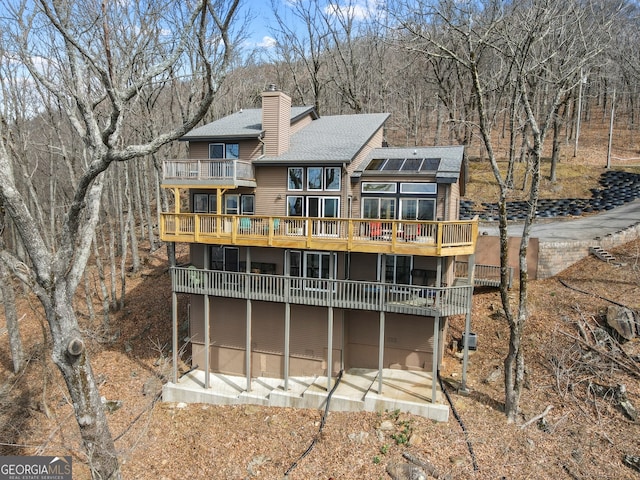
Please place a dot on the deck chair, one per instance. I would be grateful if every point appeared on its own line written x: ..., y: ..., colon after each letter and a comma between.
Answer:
x: 375, y: 230
x: 245, y: 225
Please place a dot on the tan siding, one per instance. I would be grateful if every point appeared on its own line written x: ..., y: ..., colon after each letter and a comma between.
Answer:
x: 408, y: 341
x: 301, y: 123
x: 273, y: 182
x: 248, y: 149
x: 276, y: 120
x: 199, y: 149
x: 454, y: 202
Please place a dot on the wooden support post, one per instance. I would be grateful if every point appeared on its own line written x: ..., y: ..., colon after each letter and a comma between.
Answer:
x: 381, y: 352
x: 207, y: 343
x: 330, y: 347
x: 436, y: 354
x: 248, y: 333
x: 287, y: 338
x: 174, y: 325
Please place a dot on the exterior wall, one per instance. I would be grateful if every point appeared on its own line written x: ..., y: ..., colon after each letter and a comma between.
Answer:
x: 408, y: 341
x: 273, y: 183
x: 248, y: 149
x: 354, y: 189
x: 276, y: 121
x: 488, y: 253
x: 300, y: 124
x: 308, y: 338
x: 453, y: 209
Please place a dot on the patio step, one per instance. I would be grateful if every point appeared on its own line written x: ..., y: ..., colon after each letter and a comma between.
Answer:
x: 602, y: 254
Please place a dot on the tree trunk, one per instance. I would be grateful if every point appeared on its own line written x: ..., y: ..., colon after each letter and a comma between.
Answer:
x: 11, y: 316
x: 71, y: 357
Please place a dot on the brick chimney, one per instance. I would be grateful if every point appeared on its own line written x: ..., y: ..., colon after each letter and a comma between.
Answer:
x: 276, y: 121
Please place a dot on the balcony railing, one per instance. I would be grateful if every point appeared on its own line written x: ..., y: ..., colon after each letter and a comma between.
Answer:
x: 347, y: 294
x: 333, y: 234
x: 484, y: 275
x: 208, y: 172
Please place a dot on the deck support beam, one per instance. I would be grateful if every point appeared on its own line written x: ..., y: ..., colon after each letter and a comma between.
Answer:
x: 436, y: 350
x: 381, y: 352
x: 287, y: 339
x: 330, y: 347
x: 467, y: 324
x: 248, y: 327
x: 207, y: 342
x: 174, y: 326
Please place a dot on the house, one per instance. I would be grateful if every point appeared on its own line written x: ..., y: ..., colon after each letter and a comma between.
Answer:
x: 314, y: 250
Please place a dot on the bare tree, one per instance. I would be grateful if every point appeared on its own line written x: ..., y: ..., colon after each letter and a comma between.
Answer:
x: 92, y: 60
x: 523, y: 56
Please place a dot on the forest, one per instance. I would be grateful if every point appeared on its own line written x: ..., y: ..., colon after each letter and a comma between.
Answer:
x: 96, y: 94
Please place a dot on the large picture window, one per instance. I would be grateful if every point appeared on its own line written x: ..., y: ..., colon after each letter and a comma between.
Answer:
x: 317, y: 179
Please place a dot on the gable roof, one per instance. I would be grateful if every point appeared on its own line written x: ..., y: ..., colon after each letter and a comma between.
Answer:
x: 330, y: 139
x: 241, y: 124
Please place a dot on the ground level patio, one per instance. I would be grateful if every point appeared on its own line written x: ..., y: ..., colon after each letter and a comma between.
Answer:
x: 404, y: 390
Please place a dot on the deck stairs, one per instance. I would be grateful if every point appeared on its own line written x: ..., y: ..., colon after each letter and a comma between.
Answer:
x: 603, y: 255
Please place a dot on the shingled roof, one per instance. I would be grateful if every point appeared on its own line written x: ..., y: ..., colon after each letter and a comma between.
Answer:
x: 329, y: 139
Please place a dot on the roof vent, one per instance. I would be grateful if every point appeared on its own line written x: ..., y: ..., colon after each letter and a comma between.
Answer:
x: 272, y: 88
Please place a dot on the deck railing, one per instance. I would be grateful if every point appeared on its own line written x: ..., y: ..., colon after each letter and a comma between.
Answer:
x: 443, y: 238
x: 347, y: 294
x: 484, y: 275
x: 209, y: 171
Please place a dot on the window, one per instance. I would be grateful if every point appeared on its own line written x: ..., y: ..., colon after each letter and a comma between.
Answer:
x: 247, y: 203
x: 232, y: 150
x: 231, y: 204
x: 374, y: 187
x: 225, y: 258
x: 417, y: 209
x: 294, y: 206
x: 224, y: 150
x: 428, y: 188
x: 332, y: 178
x: 200, y: 203
x: 295, y: 178
x: 295, y: 263
x: 316, y: 265
x: 373, y: 207
x: 397, y: 269
x: 314, y: 178
x: 318, y: 178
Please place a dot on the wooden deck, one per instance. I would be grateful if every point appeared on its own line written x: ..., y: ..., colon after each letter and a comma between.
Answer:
x: 347, y: 294
x: 448, y: 238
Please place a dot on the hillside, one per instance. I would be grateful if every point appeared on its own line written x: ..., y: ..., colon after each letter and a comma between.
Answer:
x: 585, y: 435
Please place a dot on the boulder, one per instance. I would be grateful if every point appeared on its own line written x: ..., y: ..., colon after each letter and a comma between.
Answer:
x: 622, y: 320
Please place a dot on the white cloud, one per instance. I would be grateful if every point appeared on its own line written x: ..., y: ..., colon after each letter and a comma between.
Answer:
x: 358, y: 10
x: 267, y: 42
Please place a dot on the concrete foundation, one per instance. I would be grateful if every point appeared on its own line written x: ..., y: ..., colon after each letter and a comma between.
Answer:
x: 404, y: 390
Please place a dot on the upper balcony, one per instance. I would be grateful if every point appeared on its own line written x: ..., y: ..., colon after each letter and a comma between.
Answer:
x: 402, y: 237
x: 191, y: 173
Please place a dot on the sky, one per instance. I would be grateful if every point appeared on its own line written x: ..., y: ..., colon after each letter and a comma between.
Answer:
x: 259, y: 34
